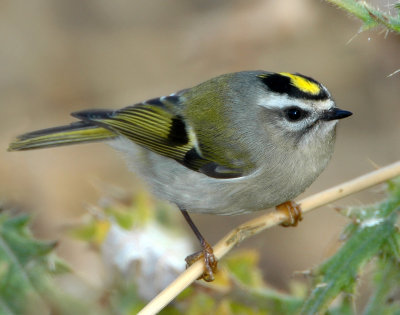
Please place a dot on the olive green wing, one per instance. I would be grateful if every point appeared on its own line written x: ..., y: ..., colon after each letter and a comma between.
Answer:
x: 154, y: 125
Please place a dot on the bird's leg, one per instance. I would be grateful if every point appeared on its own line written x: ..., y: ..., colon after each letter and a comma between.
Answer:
x: 293, y: 211
x: 210, y: 262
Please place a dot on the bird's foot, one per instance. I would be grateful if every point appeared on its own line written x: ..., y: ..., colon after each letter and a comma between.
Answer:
x: 210, y: 261
x: 293, y: 211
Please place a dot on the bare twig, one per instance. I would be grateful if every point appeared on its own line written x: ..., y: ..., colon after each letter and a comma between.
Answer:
x: 266, y: 221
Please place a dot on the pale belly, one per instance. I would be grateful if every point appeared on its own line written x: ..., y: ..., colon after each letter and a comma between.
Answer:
x: 197, y: 192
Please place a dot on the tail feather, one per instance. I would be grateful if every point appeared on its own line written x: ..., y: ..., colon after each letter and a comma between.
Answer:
x: 70, y: 134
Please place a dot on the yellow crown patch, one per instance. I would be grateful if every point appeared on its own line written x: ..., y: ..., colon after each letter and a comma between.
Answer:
x: 302, y: 83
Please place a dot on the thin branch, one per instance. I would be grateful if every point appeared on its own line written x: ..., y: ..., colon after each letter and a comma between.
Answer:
x: 266, y: 221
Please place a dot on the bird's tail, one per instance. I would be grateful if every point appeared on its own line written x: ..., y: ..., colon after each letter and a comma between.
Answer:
x: 70, y: 134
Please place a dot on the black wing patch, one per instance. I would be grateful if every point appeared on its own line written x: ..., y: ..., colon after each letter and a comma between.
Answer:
x: 177, y: 132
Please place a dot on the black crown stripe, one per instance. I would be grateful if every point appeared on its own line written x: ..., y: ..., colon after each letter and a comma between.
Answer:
x: 283, y: 85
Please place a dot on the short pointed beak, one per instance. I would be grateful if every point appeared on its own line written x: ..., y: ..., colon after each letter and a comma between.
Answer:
x: 336, y: 113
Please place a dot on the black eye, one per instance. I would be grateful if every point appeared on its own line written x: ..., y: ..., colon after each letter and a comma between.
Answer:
x: 295, y: 113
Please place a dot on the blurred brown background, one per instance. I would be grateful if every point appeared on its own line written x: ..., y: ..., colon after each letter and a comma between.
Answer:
x: 61, y: 56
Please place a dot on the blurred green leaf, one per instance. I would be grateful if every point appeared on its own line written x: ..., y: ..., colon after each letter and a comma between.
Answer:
x: 237, y: 308
x: 244, y: 267
x: 94, y: 231
x: 201, y: 304
x: 370, y: 16
x: 124, y: 298
x: 344, y: 307
x: 373, y: 232
x: 25, y: 265
x: 387, y: 284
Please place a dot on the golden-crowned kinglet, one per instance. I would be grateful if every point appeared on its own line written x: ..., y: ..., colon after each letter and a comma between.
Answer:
x: 237, y: 143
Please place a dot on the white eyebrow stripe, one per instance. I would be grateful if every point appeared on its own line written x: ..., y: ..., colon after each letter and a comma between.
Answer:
x: 282, y: 102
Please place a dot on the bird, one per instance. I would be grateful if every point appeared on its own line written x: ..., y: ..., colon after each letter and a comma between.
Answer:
x: 237, y: 143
